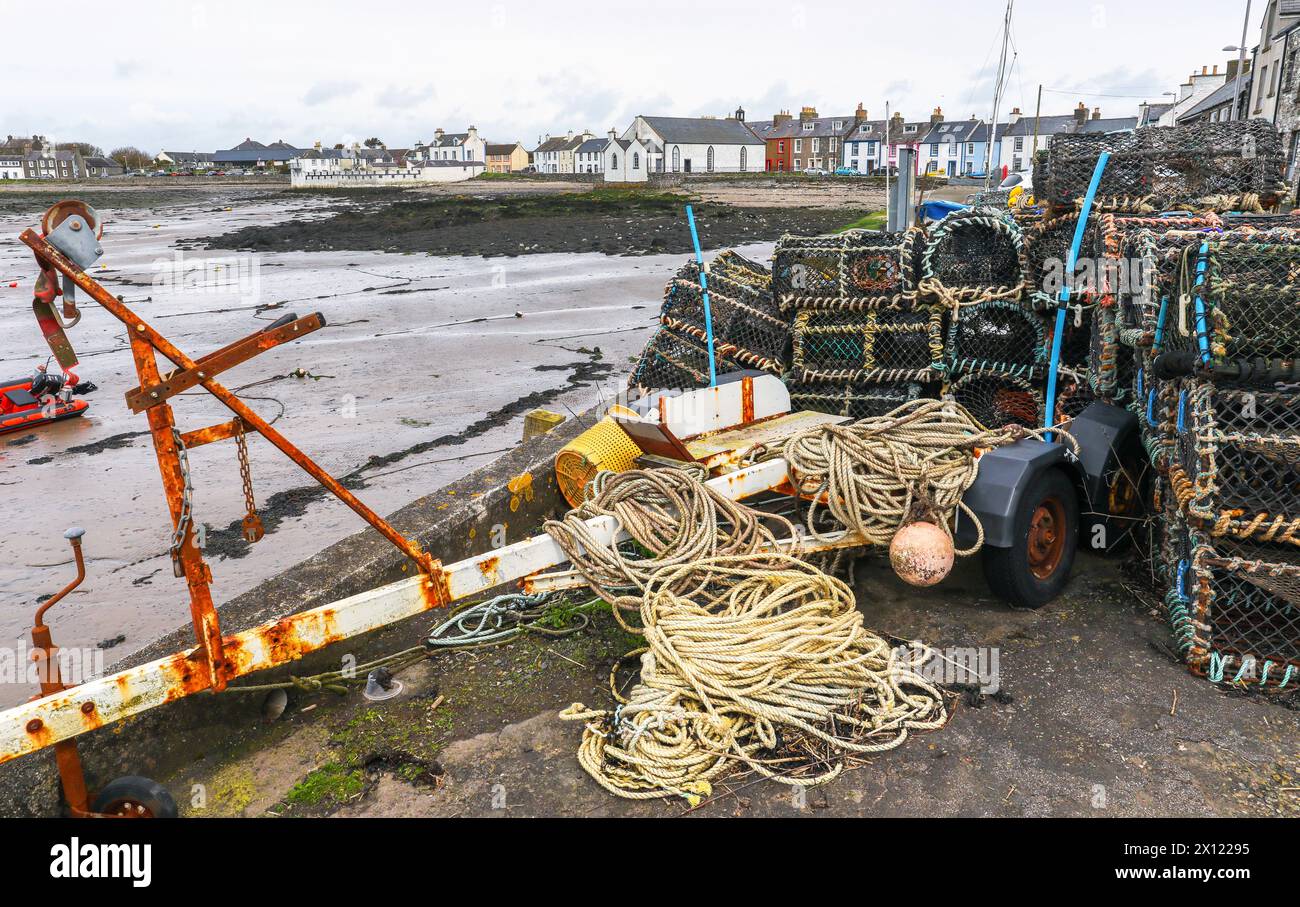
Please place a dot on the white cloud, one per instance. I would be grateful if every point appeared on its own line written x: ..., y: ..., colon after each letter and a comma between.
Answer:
x: 199, y: 75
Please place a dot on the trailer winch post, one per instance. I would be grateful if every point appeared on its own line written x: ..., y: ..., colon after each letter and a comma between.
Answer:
x: 45, y: 654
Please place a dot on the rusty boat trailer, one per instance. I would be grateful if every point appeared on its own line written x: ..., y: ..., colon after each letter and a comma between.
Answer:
x: 63, y: 250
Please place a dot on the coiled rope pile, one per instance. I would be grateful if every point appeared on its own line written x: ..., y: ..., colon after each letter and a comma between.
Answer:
x: 875, y: 474
x: 770, y: 669
x: 753, y: 657
x: 672, y: 515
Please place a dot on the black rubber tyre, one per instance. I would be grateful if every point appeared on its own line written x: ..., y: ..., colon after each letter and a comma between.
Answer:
x: 136, y: 797
x: 1032, y: 572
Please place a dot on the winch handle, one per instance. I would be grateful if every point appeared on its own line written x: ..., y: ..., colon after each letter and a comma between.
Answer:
x: 73, y: 535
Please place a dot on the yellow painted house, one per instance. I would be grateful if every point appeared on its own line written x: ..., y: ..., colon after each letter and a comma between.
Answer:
x: 509, y: 158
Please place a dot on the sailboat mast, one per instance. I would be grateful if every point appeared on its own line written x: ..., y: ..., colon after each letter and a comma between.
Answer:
x: 997, y: 95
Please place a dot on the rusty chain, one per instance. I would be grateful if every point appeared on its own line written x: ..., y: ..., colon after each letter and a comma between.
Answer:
x: 182, y: 522
x: 252, y: 524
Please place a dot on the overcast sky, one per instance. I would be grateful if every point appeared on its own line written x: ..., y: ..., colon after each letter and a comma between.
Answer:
x: 203, y: 76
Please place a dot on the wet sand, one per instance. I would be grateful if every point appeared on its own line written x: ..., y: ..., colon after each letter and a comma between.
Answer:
x: 422, y: 374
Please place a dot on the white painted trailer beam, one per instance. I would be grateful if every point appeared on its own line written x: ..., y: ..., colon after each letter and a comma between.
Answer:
x: 42, y: 722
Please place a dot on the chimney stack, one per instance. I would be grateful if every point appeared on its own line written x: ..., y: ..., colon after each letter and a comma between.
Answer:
x: 1080, y: 114
x: 807, y: 113
x: 860, y: 114
x: 1096, y: 113
x: 1014, y: 117
x: 782, y: 117
x: 613, y: 134
x: 937, y: 116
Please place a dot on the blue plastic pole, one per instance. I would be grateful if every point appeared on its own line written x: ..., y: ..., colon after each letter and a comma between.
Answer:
x: 704, y: 288
x: 1062, y: 304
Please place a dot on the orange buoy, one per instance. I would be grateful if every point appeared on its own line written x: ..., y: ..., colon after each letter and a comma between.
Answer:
x: 921, y: 554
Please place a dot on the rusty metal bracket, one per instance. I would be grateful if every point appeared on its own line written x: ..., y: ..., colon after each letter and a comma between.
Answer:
x: 141, y: 398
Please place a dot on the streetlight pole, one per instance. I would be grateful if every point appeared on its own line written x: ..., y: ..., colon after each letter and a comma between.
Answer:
x: 1241, y: 65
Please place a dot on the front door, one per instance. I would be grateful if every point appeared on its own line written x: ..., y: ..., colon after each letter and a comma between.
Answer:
x: 952, y: 168
x: 686, y: 165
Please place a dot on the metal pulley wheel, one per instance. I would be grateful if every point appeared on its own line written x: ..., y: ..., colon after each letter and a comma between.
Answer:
x: 61, y: 211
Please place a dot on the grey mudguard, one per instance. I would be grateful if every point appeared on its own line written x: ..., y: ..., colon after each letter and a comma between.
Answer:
x: 1005, y: 473
x: 1101, y: 429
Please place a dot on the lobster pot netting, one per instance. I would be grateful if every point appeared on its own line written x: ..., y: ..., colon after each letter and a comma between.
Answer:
x: 1244, y: 619
x: 998, y: 400
x: 671, y: 361
x: 746, y: 320
x: 877, y: 344
x: 1217, y: 166
x: 1110, y: 366
x: 1238, y: 464
x: 1047, y: 248
x: 1155, y: 403
x: 1152, y: 261
x: 857, y: 400
x: 1240, y: 297
x: 974, y: 254
x: 997, y: 337
x: 1173, y: 570
x: 844, y: 271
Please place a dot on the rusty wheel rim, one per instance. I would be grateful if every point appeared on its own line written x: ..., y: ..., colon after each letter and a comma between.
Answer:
x: 1122, y: 496
x: 1046, y: 538
x: 127, y: 808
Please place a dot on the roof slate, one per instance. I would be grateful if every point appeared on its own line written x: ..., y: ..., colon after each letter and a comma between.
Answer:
x: 702, y: 131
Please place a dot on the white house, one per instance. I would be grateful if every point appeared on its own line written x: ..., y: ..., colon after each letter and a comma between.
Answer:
x: 863, y: 146
x: 1193, y: 91
x: 589, y: 157
x: 624, y: 160
x: 558, y: 155
x: 11, y: 168
x: 450, y: 171
x: 699, y: 144
x: 452, y: 146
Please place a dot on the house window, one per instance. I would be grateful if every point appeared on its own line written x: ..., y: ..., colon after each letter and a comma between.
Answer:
x: 1020, y: 145
x: 934, y: 149
x: 636, y: 160
x: 970, y: 147
x: 1016, y: 164
x: 798, y: 146
x: 816, y: 144
x: 832, y: 145
x: 808, y: 127
x: 613, y: 162
x: 780, y: 147
x: 677, y: 159
x: 744, y: 156
x: 709, y: 160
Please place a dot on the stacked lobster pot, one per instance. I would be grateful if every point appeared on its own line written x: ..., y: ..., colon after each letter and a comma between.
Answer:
x: 863, y: 340
x: 1048, y: 245
x: 1235, y: 166
x: 749, y: 330
x: 1227, y: 415
x: 975, y: 270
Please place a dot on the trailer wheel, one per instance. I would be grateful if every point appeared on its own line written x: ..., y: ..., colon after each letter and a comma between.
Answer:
x: 135, y: 797
x: 1034, y: 570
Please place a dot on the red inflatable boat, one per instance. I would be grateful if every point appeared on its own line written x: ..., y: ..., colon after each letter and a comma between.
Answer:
x: 20, y: 408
